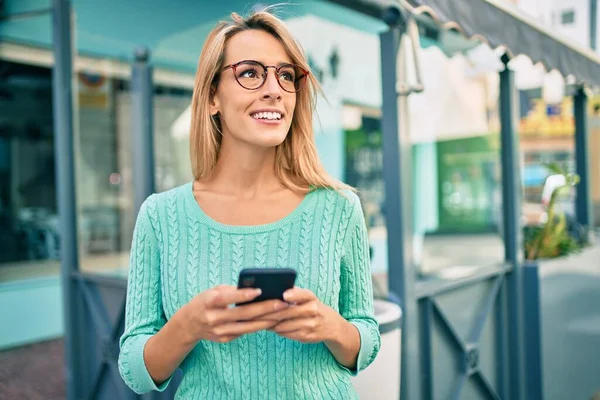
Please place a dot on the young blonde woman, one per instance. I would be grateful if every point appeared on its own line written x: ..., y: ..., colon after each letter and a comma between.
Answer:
x: 260, y: 198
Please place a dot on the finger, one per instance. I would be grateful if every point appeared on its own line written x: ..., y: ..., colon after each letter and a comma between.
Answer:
x: 242, y: 328
x: 292, y: 325
x: 293, y: 335
x: 306, y: 310
x: 226, y: 295
x: 298, y: 295
x: 255, y: 310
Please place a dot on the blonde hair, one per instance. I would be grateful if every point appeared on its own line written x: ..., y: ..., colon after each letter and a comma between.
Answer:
x: 297, y: 163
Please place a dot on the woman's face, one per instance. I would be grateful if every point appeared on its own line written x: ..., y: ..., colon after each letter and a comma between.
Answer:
x: 260, y: 117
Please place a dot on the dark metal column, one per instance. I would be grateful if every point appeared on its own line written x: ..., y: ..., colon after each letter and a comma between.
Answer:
x: 593, y: 23
x: 533, y: 349
x: 511, y: 201
x: 66, y: 199
x: 396, y: 173
x: 583, y: 204
x: 143, y: 133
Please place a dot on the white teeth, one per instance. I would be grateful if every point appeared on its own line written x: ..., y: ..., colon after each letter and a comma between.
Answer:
x: 267, y: 115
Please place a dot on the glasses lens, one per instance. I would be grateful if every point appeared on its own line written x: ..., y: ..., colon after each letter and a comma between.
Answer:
x: 250, y: 74
x: 287, y: 77
x: 291, y: 77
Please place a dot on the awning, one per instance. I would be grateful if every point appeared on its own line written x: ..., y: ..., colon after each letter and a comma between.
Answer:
x: 499, y: 25
x: 174, y: 34
x: 175, y: 42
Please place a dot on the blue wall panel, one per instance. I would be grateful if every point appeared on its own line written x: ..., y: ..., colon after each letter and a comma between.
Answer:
x: 31, y: 311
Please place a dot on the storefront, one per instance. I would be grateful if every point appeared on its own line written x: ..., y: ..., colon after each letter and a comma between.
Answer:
x: 103, y: 134
x: 454, y: 177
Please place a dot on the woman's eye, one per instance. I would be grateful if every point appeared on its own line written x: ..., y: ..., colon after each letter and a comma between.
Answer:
x: 288, y: 76
x: 249, y: 73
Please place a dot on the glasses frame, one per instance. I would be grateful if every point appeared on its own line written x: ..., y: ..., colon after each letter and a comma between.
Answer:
x: 303, y: 74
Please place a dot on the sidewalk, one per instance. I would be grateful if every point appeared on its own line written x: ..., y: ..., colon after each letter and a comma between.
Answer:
x: 34, y: 372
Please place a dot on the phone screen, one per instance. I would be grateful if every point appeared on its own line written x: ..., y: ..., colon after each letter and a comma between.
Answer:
x: 272, y: 282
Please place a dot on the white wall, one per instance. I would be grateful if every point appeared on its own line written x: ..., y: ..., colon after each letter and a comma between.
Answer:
x: 452, y: 105
x: 359, y: 77
x: 549, y: 13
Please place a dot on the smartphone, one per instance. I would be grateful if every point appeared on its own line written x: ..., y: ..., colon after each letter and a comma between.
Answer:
x: 273, y: 282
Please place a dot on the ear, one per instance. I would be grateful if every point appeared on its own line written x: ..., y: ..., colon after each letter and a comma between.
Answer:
x: 214, y: 105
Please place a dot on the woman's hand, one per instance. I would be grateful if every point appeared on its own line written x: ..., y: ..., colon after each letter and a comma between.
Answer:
x: 307, y: 320
x: 209, y: 316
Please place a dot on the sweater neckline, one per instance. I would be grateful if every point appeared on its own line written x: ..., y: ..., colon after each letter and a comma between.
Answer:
x: 197, y: 211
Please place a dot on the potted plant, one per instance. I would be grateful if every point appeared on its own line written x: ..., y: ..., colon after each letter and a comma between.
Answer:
x: 561, y: 277
x: 560, y: 234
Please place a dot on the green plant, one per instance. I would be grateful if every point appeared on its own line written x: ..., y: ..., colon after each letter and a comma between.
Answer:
x: 555, y: 238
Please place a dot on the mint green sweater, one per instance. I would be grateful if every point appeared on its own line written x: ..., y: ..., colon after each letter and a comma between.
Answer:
x: 178, y: 252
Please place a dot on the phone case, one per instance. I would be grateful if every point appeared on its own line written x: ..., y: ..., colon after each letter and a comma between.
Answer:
x: 273, y: 282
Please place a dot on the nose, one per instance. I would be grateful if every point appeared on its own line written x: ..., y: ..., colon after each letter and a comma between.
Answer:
x: 271, y: 88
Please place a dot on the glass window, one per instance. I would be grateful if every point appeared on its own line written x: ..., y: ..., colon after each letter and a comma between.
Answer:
x: 106, y: 178
x: 28, y: 209
x: 567, y: 17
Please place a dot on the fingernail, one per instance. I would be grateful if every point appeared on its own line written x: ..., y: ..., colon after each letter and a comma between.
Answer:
x: 286, y: 296
x: 254, y: 293
x: 280, y: 306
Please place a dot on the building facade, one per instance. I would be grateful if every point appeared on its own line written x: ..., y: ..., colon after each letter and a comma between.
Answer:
x: 453, y: 126
x: 576, y: 19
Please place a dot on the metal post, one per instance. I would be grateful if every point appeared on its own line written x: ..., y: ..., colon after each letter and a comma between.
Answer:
x: 511, y: 196
x: 66, y: 196
x: 583, y: 204
x: 534, y: 388
x: 593, y: 24
x: 396, y: 173
x: 142, y: 117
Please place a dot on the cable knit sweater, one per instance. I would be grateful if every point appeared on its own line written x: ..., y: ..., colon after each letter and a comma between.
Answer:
x: 178, y: 251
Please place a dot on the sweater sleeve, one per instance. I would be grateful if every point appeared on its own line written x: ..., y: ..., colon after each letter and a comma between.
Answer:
x: 356, y: 294
x: 143, y: 309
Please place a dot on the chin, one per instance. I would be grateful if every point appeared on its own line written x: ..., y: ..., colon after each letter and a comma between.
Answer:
x: 270, y: 142
x: 267, y: 139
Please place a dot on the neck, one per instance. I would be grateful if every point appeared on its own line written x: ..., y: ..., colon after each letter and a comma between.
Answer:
x: 244, y: 171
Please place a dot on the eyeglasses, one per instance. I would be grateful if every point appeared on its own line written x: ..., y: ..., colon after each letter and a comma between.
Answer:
x: 252, y: 75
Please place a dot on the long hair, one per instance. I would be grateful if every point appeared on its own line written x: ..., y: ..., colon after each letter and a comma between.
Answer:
x: 297, y: 163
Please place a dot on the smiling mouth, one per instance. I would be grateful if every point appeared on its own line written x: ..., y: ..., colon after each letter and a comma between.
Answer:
x: 267, y: 116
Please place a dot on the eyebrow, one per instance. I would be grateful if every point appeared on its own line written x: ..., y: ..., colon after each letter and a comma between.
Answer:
x: 279, y: 64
